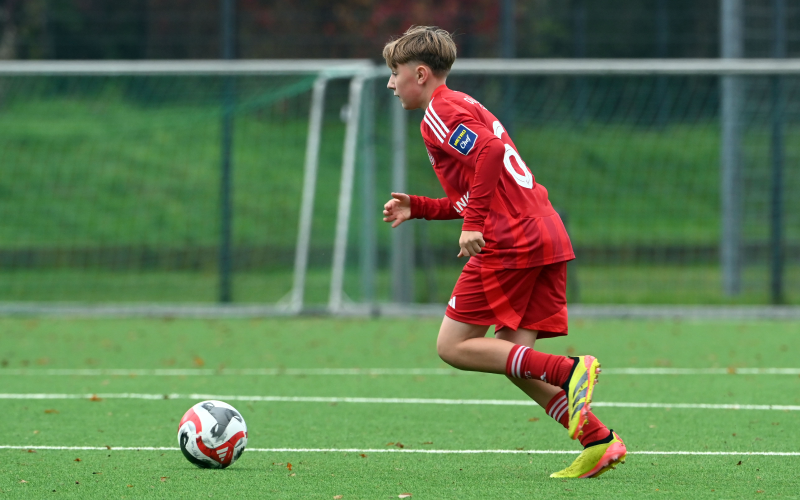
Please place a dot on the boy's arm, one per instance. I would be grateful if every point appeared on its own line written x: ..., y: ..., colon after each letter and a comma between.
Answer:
x: 488, y: 167
x: 432, y: 209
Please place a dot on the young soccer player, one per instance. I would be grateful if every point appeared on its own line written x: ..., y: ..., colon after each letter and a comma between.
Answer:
x: 517, y: 247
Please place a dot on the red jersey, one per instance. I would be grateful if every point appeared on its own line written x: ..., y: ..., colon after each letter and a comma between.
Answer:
x: 488, y: 185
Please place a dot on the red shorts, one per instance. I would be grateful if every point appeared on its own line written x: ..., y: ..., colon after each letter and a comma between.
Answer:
x: 533, y: 298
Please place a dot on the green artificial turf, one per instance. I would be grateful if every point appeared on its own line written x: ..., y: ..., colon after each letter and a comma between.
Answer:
x: 36, y: 344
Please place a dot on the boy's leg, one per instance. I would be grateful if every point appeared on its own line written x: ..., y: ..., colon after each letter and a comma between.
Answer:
x: 552, y: 399
x: 465, y: 346
x: 537, y: 390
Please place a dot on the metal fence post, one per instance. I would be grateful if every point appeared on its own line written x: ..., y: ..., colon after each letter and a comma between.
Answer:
x: 402, y: 236
x: 226, y: 195
x: 731, y: 42
x: 777, y: 152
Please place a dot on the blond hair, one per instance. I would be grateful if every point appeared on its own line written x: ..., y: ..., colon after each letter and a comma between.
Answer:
x: 426, y: 44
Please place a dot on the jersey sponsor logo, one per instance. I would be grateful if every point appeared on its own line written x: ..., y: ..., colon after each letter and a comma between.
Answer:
x: 474, y: 102
x: 463, y: 139
x: 461, y: 204
x: 435, y: 123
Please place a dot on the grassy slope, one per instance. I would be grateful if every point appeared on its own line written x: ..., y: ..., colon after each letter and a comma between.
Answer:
x: 108, y: 172
x: 53, y: 343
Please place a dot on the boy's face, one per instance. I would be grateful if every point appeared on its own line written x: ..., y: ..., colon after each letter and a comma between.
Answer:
x: 406, y: 84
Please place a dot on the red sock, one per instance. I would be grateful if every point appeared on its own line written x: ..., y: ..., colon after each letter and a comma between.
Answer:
x: 524, y: 362
x: 593, y: 430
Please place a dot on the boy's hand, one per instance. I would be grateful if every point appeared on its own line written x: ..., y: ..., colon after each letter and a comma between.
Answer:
x: 471, y: 243
x: 398, y: 209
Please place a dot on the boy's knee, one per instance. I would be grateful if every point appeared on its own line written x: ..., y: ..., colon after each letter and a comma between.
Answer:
x: 445, y: 351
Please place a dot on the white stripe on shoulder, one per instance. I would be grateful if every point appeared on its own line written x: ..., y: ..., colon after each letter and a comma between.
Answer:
x: 436, y: 117
x: 432, y: 122
x: 436, y: 131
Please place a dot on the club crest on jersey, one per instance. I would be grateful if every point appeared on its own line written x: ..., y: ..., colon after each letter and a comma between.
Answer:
x: 463, y: 139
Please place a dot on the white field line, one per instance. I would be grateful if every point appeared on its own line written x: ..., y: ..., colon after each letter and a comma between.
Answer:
x: 405, y: 450
x: 307, y: 399
x: 194, y: 372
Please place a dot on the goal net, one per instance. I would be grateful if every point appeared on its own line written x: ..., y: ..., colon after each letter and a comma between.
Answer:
x: 114, y: 186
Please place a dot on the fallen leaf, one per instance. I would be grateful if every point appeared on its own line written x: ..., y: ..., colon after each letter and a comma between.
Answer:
x: 534, y: 419
x: 363, y: 456
x: 731, y: 370
x: 292, y: 474
x: 740, y: 462
x: 96, y: 472
x: 428, y: 442
x: 164, y: 479
x: 23, y: 481
x: 130, y: 486
x: 404, y: 495
x: 95, y: 398
x: 520, y: 448
x: 652, y: 426
x: 51, y: 410
x: 400, y: 445
x: 389, y: 444
x: 31, y: 451
x: 108, y: 447
x: 36, y: 432
x: 76, y: 482
x: 198, y: 361
x: 289, y: 466
x: 77, y: 460
x: 337, y: 497
x: 759, y: 491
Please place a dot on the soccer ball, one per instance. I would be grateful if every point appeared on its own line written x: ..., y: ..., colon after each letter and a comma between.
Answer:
x: 212, y: 434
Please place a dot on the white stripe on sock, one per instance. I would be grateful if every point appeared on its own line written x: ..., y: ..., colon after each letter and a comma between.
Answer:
x: 519, y: 361
x: 557, y: 407
x: 514, y: 363
x: 561, y: 405
x: 561, y: 414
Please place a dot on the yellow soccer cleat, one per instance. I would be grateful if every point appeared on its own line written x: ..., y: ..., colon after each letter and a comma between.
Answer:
x: 596, y: 458
x: 579, y: 388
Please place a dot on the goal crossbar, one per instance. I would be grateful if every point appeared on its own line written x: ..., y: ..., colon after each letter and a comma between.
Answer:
x: 328, y: 67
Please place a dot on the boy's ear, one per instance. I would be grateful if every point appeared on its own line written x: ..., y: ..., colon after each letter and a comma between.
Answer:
x: 423, y: 73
